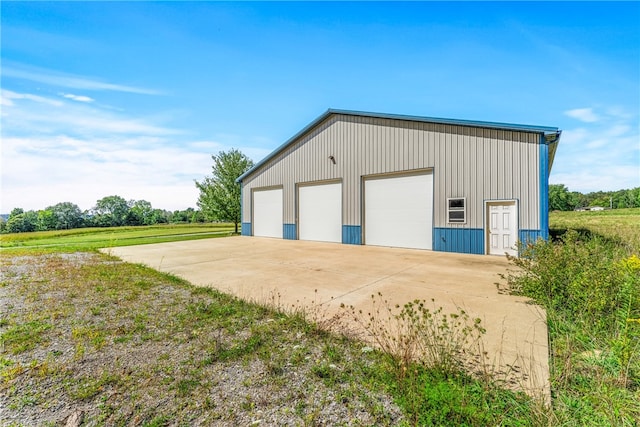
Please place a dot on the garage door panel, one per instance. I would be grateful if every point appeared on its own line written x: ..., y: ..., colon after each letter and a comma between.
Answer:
x: 267, y: 213
x: 320, y: 212
x: 399, y: 211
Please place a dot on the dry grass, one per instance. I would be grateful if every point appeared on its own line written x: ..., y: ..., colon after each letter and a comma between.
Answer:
x: 622, y: 224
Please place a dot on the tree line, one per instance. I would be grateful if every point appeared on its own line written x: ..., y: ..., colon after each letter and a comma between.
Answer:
x: 110, y: 211
x: 561, y: 199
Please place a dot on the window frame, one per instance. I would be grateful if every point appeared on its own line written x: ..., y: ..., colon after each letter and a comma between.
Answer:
x: 457, y: 209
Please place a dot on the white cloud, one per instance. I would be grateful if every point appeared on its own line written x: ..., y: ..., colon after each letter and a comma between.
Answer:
x: 79, y: 98
x: 54, y: 78
x: 600, y: 156
x: 583, y: 114
x: 75, y: 118
x: 9, y: 96
x: 76, y: 152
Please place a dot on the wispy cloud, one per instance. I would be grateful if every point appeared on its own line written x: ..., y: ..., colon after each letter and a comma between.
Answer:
x: 602, y: 155
x: 79, y: 98
x: 58, y: 79
x: 583, y: 114
x: 56, y: 150
x: 7, y: 98
x: 36, y: 115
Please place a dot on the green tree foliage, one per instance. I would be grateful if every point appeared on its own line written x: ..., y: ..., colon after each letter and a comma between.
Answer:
x: 111, y: 211
x: 22, y: 222
x: 219, y: 197
x: 141, y: 213
x: 68, y: 215
x: 46, y: 220
x: 16, y: 211
x: 561, y: 199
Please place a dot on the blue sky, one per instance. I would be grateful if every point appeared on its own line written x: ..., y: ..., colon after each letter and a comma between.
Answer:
x: 133, y: 98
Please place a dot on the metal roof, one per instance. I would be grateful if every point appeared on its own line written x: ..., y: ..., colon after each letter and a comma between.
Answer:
x: 545, y: 130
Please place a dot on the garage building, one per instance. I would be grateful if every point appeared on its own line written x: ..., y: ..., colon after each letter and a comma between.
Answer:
x: 403, y: 181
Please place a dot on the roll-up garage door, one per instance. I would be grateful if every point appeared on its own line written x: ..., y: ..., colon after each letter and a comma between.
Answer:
x: 399, y: 211
x: 267, y: 213
x: 320, y: 212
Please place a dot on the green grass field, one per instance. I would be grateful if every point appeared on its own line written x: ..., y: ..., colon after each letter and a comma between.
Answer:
x: 93, y: 238
x: 617, y: 223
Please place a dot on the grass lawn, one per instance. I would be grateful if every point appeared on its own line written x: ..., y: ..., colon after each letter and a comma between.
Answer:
x: 93, y: 238
x: 623, y: 224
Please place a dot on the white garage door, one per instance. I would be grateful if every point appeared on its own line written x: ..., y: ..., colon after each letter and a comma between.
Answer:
x: 267, y: 213
x: 398, y: 211
x: 320, y: 212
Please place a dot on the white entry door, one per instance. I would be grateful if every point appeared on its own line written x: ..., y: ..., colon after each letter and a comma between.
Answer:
x: 267, y: 213
x: 502, y: 227
x: 320, y: 212
x: 399, y: 211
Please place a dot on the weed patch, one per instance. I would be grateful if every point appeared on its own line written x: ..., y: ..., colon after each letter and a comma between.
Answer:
x: 590, y: 287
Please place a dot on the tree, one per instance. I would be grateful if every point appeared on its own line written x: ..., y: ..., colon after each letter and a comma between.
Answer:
x: 111, y: 211
x: 219, y: 197
x: 67, y: 215
x: 559, y: 198
x: 46, y: 220
x: 141, y: 213
x: 22, y: 222
x: 16, y: 212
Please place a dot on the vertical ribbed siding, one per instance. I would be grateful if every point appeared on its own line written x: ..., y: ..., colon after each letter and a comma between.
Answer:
x: 477, y: 163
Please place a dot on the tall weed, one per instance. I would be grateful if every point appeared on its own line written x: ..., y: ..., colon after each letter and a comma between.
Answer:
x: 590, y: 287
x: 429, y: 353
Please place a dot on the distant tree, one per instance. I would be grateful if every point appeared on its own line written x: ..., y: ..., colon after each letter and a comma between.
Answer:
x: 23, y: 222
x: 141, y: 213
x: 578, y: 200
x: 68, y: 215
x: 559, y: 198
x: 3, y: 225
x: 46, y: 220
x: 111, y: 211
x: 161, y: 216
x: 16, y: 211
x: 197, y: 217
x: 219, y: 198
x: 178, y: 217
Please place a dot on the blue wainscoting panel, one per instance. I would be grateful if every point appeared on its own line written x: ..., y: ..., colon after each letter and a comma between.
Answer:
x: 530, y: 236
x: 462, y: 240
x: 289, y: 232
x: 246, y: 229
x: 351, y: 234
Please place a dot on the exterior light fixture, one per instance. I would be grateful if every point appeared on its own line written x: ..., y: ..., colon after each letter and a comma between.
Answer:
x: 333, y: 159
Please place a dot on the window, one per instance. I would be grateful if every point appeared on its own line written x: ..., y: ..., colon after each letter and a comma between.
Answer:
x: 457, y: 210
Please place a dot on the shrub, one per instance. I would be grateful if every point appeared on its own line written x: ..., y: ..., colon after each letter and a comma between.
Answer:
x: 585, y: 279
x: 590, y: 287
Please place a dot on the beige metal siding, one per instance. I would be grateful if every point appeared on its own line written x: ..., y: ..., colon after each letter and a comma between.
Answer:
x: 477, y: 163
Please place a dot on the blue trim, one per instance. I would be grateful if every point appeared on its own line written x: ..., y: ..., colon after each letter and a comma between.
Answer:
x: 461, y: 240
x: 543, y: 130
x: 529, y: 236
x: 352, y: 234
x: 289, y: 231
x: 246, y: 229
x: 544, y: 188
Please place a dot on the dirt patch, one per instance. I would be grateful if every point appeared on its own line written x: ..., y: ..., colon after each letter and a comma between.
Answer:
x: 87, y: 339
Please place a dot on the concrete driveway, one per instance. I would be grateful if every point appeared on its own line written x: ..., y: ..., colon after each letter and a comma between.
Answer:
x: 323, y: 276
